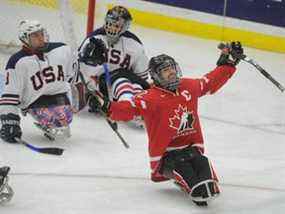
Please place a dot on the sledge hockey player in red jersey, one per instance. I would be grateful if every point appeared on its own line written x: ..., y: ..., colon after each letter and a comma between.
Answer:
x: 125, y: 61
x: 37, y: 80
x: 170, y: 113
x: 6, y: 192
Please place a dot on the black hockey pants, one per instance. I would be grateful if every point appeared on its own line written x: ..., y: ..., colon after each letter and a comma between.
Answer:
x: 189, y: 163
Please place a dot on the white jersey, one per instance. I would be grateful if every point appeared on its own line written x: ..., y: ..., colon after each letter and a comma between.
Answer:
x: 29, y: 76
x: 127, y: 53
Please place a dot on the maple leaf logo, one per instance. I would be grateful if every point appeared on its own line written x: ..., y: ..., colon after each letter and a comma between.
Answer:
x: 182, y: 120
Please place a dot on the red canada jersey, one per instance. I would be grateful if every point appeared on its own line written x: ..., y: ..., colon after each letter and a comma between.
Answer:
x: 171, y: 119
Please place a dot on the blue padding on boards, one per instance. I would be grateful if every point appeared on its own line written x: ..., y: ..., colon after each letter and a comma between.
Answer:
x: 263, y: 11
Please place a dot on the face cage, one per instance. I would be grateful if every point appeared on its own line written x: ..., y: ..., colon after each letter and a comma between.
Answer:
x: 27, y: 41
x: 166, y: 84
x: 114, y: 28
x: 6, y: 192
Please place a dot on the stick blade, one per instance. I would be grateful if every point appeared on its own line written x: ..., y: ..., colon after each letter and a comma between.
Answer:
x: 51, y: 151
x: 47, y: 150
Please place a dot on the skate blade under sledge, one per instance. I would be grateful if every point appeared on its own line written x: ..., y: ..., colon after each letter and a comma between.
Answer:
x: 54, y: 134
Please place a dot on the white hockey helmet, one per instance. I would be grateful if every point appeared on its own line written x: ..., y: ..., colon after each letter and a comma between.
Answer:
x: 27, y: 27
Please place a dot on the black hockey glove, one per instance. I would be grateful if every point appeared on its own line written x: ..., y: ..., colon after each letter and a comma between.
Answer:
x: 94, y: 53
x: 99, y: 103
x: 10, y: 127
x: 94, y: 105
x: 227, y: 56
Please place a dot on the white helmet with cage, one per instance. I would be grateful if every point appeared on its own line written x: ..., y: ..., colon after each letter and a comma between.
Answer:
x: 117, y: 21
x: 26, y: 28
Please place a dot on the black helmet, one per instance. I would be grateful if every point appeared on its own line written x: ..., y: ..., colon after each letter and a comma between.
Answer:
x: 158, y: 64
x: 117, y: 21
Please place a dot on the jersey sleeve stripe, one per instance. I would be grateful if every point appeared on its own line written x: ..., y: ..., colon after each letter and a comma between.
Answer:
x: 143, y: 75
x: 10, y: 95
x: 119, y: 83
x: 8, y: 103
x: 9, y: 99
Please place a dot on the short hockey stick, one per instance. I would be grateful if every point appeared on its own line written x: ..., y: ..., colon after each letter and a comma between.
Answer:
x: 109, y: 87
x: 257, y: 66
x: 112, y: 124
x: 46, y: 150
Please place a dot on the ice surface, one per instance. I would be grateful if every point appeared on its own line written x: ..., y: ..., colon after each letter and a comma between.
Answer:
x: 244, y: 130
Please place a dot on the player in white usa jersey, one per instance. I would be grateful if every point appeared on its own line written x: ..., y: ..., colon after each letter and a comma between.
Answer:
x: 126, y: 59
x: 37, y: 82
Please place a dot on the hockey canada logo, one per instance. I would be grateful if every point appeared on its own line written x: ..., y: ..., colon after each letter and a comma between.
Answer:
x: 182, y: 120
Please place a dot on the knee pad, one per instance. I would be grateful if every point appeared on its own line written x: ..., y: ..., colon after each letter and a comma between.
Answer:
x: 204, y: 190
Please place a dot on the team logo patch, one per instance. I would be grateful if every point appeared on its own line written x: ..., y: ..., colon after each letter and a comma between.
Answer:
x: 182, y: 120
